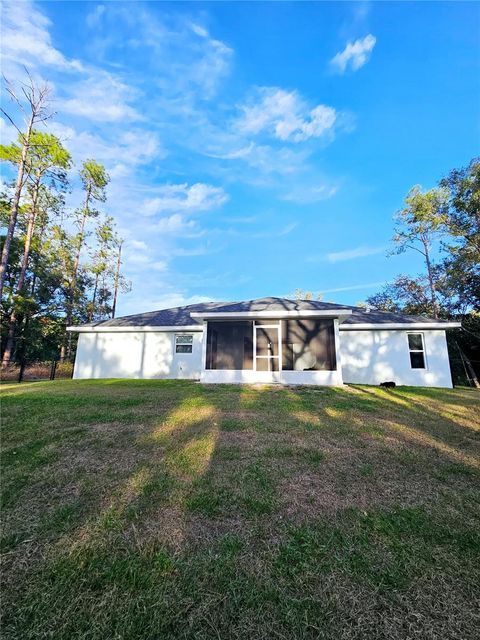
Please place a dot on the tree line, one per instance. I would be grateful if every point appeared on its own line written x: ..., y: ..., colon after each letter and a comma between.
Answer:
x: 442, y: 225
x: 58, y: 267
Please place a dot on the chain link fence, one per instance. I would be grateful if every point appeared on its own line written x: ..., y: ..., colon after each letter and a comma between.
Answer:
x: 31, y: 371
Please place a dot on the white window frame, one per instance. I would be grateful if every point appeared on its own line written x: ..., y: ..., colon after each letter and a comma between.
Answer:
x: 183, y: 344
x: 423, y: 350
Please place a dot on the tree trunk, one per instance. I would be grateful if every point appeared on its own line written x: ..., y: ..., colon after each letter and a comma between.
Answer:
x: 15, y: 204
x: 94, y: 298
x: 66, y: 351
x: 117, y: 279
x: 7, y: 354
x: 34, y: 268
x: 433, y: 296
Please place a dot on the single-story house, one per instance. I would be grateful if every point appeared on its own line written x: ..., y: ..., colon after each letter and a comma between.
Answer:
x: 268, y: 340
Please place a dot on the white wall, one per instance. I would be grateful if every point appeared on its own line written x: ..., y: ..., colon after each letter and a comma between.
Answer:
x: 324, y: 378
x: 364, y: 357
x: 371, y: 357
x: 136, y: 355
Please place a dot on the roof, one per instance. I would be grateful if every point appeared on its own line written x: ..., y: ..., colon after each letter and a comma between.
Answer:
x: 182, y: 316
x: 360, y: 315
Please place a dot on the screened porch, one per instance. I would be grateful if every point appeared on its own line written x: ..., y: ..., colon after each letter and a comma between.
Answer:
x: 271, y: 346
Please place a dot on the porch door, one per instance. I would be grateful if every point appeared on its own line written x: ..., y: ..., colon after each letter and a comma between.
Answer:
x: 267, y: 347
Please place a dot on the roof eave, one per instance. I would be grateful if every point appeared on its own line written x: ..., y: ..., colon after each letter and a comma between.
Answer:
x: 132, y: 329
x: 400, y: 325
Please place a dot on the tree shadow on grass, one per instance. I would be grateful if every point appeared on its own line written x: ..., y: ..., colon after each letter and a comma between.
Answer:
x: 429, y: 424
x: 237, y: 512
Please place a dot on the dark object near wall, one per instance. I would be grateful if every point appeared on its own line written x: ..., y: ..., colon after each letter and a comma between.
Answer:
x: 308, y: 345
x: 388, y: 385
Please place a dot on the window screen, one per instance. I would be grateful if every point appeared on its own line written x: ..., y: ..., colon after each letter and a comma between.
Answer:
x: 183, y: 343
x: 308, y: 345
x: 417, y: 350
x: 230, y: 345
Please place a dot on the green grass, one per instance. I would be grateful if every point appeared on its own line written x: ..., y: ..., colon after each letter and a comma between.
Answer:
x: 140, y: 510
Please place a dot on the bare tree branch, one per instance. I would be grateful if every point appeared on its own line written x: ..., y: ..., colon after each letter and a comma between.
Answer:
x: 37, y: 101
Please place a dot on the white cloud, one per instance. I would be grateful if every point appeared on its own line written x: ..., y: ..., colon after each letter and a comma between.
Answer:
x: 243, y: 152
x: 8, y: 133
x: 200, y: 250
x: 353, y: 287
x: 181, y: 197
x: 104, y: 116
x: 141, y: 259
x: 284, y: 231
x: 352, y: 254
x: 180, y: 55
x: 139, y: 245
x: 128, y: 149
x: 176, y: 225
x: 199, y: 30
x: 213, y: 64
x: 27, y: 41
x: 88, y: 91
x: 263, y: 160
x: 101, y: 97
x: 311, y: 194
x: 286, y: 116
x: 355, y: 54
x: 159, y: 265
x: 283, y: 160
x: 93, y: 19
x: 165, y: 301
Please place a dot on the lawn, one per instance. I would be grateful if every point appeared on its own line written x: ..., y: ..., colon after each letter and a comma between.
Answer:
x: 169, y: 509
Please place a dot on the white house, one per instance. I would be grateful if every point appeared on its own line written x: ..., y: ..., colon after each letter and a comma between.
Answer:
x: 268, y: 340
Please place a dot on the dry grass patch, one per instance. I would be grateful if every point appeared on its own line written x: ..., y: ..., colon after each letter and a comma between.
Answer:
x: 148, y: 509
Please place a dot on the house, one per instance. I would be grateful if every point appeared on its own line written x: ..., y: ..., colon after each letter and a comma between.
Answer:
x: 268, y: 340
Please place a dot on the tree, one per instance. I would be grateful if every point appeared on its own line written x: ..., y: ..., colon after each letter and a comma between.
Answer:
x: 419, y: 223
x: 300, y: 294
x: 94, y: 181
x: 461, y: 267
x: 101, y: 259
x: 46, y: 158
x: 42, y: 269
x: 404, y: 295
x: 463, y: 215
x: 117, y: 281
x: 451, y: 212
x: 35, y: 110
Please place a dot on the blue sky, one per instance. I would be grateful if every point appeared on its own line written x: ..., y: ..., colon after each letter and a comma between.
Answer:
x: 256, y: 147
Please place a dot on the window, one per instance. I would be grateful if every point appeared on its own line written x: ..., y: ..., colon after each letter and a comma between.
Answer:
x: 308, y: 345
x: 230, y: 345
x: 417, y: 350
x: 183, y: 343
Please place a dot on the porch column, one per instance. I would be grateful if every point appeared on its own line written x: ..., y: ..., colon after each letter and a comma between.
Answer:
x: 204, y: 350
x: 338, y: 353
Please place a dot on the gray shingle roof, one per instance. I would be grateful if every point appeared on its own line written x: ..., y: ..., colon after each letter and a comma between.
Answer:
x: 374, y: 316
x: 180, y: 316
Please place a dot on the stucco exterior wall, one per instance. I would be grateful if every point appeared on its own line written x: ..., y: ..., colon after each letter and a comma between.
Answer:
x: 322, y: 378
x: 363, y: 357
x: 136, y: 355
x: 371, y: 357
